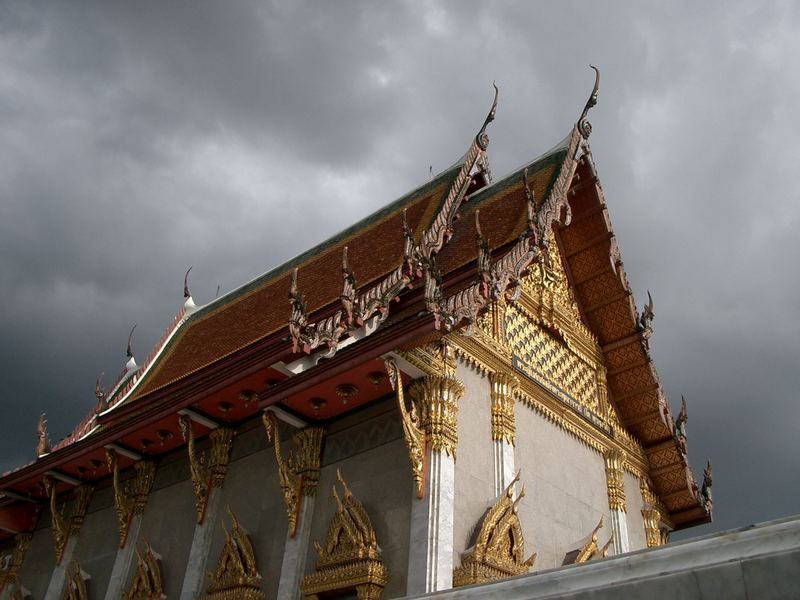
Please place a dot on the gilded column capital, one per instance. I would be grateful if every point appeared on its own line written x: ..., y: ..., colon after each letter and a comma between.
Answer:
x: 654, y: 514
x: 503, y: 388
x: 130, y: 498
x: 437, y: 398
x: 61, y: 525
x: 652, y: 518
x: 615, y: 478
x: 433, y: 359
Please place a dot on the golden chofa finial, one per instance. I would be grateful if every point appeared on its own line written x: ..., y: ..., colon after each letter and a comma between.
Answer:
x: 584, y: 126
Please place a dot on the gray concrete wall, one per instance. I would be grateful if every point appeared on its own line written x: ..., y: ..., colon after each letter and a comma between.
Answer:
x: 169, y: 519
x: 633, y: 501
x: 369, y: 450
x: 565, y: 488
x: 474, y: 471
x: 253, y: 493
x: 99, y: 540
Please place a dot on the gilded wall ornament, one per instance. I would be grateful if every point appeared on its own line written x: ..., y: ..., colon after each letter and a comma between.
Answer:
x: 654, y: 515
x: 503, y: 388
x: 207, y: 469
x: 299, y: 473
x: 497, y: 547
x: 130, y: 498
x: 590, y: 549
x: 236, y: 576
x: 412, y: 428
x: 75, y: 585
x: 146, y: 583
x: 351, y: 559
x: 437, y: 399
x: 61, y: 525
x: 10, y: 564
x: 615, y: 479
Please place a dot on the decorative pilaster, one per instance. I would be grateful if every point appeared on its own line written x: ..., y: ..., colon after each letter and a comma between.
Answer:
x: 504, y: 429
x: 208, y: 471
x: 615, y: 482
x: 430, y: 561
x: 299, y: 478
x: 653, y: 514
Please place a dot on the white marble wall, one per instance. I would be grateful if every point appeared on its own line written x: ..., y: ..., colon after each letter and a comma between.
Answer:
x: 633, y: 499
x: 565, y: 486
x: 474, y: 469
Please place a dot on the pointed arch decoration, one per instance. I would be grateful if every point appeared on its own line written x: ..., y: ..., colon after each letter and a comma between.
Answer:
x: 146, y: 583
x: 236, y: 576
x: 497, y: 550
x: 75, y: 586
x: 351, y: 559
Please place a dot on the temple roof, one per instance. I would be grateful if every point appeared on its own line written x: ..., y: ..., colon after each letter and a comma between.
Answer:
x: 411, y: 260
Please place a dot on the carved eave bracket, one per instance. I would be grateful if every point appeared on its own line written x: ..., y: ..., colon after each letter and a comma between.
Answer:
x: 130, y: 498
x: 75, y: 586
x: 413, y: 432
x: 236, y: 575
x: 10, y: 565
x: 62, y: 526
x: 351, y: 558
x: 207, y: 469
x: 299, y: 473
x: 147, y: 582
x: 498, y: 548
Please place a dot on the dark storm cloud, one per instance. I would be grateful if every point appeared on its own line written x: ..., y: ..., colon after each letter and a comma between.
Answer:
x: 138, y: 139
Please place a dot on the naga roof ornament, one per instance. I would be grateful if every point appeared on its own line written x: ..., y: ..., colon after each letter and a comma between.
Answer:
x: 584, y: 126
x: 43, y: 441
x: 418, y: 259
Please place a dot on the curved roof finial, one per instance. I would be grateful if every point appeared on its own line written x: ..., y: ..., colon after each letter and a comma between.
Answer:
x: 186, y: 292
x: 583, y: 123
x: 129, y: 351
x: 482, y: 138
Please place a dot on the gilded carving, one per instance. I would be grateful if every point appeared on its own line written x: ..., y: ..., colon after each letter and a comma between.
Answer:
x: 61, y: 525
x: 590, y: 550
x: 75, y: 585
x: 146, y: 583
x: 350, y: 559
x: 236, y: 576
x: 207, y: 469
x: 437, y: 399
x: 615, y: 479
x: 10, y: 564
x: 503, y: 388
x: 131, y: 498
x: 299, y: 474
x: 497, y: 549
x: 654, y: 515
x: 42, y: 439
x: 413, y: 432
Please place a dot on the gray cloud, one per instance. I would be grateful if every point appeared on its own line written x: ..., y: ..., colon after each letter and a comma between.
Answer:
x: 136, y: 140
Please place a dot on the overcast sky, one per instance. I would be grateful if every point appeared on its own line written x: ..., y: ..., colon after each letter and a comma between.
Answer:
x: 138, y: 139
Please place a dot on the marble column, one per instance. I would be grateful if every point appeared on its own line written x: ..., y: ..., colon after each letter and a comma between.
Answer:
x: 503, y: 387
x: 615, y: 483
x: 120, y: 572
x: 55, y: 589
x: 295, y: 552
x: 430, y: 557
x: 194, y: 576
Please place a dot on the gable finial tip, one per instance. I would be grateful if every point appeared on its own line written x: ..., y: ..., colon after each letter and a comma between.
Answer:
x: 584, y: 126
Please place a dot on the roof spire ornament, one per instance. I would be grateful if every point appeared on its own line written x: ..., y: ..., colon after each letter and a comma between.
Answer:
x: 705, y: 491
x: 483, y: 138
x: 131, y: 364
x: 348, y: 296
x: 646, y: 321
x: 100, y: 394
x: 43, y: 442
x: 680, y: 428
x: 584, y: 126
x: 188, y: 305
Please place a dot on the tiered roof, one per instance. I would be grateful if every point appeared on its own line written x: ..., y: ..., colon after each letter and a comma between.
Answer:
x: 407, y: 271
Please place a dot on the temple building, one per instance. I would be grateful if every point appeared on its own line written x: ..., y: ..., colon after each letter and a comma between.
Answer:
x: 455, y: 390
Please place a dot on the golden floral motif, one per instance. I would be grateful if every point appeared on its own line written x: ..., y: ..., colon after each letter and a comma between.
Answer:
x: 503, y: 388
x: 236, y: 575
x: 350, y: 559
x: 615, y: 479
x: 497, y: 550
